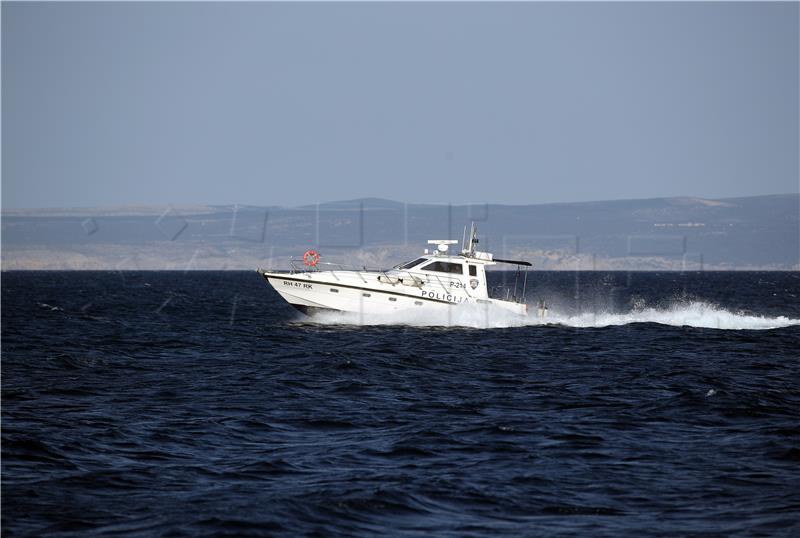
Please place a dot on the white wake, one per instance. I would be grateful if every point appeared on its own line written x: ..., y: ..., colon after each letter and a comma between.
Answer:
x: 690, y: 314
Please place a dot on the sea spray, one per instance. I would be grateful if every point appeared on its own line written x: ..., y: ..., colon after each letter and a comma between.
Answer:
x: 697, y: 314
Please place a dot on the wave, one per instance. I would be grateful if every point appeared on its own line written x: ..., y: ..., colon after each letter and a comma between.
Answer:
x: 692, y: 314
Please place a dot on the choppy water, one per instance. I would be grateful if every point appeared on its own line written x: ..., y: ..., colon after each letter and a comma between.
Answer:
x: 200, y: 404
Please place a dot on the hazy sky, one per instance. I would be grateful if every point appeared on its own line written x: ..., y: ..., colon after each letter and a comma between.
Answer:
x: 286, y: 104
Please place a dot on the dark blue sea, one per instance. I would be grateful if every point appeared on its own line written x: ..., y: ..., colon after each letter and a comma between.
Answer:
x: 200, y: 404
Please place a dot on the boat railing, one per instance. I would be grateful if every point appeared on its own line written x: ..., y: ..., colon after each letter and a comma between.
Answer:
x: 441, y: 279
x: 298, y: 266
x: 506, y: 291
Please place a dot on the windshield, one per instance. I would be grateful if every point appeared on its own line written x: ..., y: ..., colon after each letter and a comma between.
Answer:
x: 409, y: 265
x: 445, y: 267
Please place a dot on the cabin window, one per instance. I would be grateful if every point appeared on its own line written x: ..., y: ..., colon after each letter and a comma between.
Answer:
x: 367, y: 294
x: 445, y: 267
x: 334, y: 290
x: 473, y: 271
x: 418, y: 303
x: 392, y: 298
x: 416, y: 262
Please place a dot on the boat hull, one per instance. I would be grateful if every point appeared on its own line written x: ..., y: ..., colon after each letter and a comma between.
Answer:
x: 365, y: 294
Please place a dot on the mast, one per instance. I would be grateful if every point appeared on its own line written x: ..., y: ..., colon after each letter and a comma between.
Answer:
x: 473, y: 240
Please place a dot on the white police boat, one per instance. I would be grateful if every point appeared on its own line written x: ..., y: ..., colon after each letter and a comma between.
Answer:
x: 437, y: 280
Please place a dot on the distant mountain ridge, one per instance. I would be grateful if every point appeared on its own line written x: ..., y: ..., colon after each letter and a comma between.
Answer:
x: 679, y: 233
x: 371, y: 203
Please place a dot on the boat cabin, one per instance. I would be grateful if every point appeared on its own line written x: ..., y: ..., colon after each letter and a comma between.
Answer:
x: 464, y: 272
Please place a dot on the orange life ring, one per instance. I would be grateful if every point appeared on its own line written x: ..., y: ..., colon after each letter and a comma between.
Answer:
x: 310, y: 258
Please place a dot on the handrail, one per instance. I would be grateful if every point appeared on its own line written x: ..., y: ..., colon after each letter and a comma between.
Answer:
x: 444, y: 288
x: 295, y: 264
x: 420, y: 278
